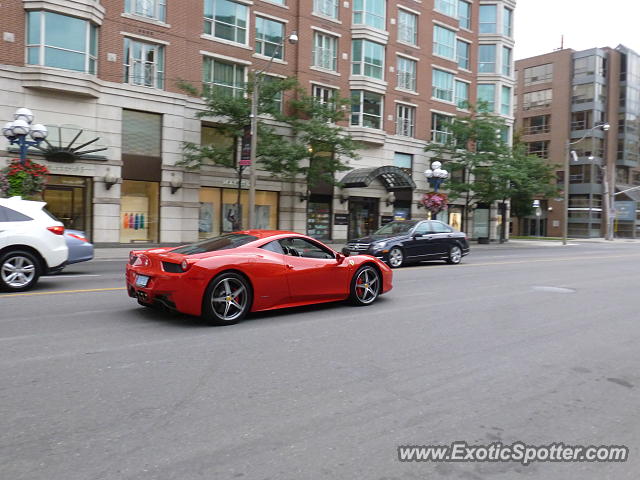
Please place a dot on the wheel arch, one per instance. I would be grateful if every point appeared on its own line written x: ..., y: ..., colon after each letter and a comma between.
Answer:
x: 26, y: 248
x: 229, y: 270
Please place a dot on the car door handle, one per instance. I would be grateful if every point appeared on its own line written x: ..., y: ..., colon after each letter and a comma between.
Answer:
x: 449, y: 236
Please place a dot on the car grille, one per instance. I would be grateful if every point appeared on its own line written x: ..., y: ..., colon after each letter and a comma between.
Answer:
x: 171, y: 267
x: 357, y: 247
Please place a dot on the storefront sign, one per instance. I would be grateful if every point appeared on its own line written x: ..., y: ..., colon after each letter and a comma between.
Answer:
x: 341, y: 219
x: 71, y: 169
x: 384, y: 219
x: 234, y: 182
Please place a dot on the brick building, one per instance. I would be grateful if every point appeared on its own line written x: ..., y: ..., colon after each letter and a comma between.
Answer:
x: 561, y: 97
x: 111, y: 68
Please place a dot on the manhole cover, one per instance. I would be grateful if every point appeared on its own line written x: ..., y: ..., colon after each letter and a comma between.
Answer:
x: 554, y: 289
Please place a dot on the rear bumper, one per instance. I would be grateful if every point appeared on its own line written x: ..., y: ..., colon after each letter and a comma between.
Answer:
x: 56, y: 269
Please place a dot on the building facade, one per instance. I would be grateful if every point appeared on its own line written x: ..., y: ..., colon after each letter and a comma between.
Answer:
x: 562, y: 98
x: 112, y: 69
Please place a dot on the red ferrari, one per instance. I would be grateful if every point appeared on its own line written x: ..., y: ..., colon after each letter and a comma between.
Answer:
x: 224, y: 278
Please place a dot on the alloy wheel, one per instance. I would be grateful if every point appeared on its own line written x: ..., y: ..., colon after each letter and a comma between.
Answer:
x: 18, y: 271
x: 455, y: 255
x: 367, y: 285
x: 395, y: 257
x: 229, y: 299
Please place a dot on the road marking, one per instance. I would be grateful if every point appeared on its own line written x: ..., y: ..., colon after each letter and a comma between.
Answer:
x: 76, y: 275
x: 515, y: 262
x: 62, y: 291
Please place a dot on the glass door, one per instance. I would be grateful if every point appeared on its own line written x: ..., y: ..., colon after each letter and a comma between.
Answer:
x: 363, y: 216
x: 67, y: 204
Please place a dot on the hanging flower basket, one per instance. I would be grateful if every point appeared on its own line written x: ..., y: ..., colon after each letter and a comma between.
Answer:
x: 435, y: 202
x: 23, y: 179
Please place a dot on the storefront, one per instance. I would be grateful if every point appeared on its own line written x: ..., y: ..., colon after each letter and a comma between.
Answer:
x: 139, y: 211
x: 319, y: 216
x: 363, y: 216
x: 219, y: 212
x: 455, y: 217
x: 69, y: 199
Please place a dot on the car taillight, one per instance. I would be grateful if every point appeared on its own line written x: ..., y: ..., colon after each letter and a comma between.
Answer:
x: 82, y: 239
x: 142, y: 261
x: 56, y: 230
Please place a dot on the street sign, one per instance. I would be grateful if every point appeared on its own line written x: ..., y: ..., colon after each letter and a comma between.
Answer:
x: 625, y: 210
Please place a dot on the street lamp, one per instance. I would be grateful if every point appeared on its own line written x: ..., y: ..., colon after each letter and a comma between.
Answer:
x: 568, y: 156
x: 255, y: 97
x: 21, y: 128
x: 436, y: 175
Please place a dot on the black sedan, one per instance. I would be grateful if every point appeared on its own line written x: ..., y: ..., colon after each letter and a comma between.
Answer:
x: 401, y: 242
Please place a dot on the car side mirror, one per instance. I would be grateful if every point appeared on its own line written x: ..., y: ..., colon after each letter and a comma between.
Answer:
x: 340, y: 258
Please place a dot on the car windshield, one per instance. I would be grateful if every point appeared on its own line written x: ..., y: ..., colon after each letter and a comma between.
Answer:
x: 224, y: 242
x: 395, y: 228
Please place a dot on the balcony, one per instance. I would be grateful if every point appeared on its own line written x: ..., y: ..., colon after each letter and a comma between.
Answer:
x: 64, y: 81
x: 90, y: 10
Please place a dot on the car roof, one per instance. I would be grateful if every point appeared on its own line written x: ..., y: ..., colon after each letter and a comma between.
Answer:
x: 268, y: 233
x: 18, y: 203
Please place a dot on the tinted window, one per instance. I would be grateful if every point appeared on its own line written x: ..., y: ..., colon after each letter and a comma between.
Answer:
x: 274, y: 247
x: 9, y: 215
x: 224, y: 242
x: 299, y: 247
x: 439, y: 227
x: 395, y: 228
x: 423, y: 229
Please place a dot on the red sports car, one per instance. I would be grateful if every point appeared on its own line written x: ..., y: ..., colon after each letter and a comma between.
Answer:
x: 223, y: 278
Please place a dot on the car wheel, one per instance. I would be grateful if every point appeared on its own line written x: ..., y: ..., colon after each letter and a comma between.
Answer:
x: 455, y: 255
x: 227, y: 300
x: 18, y: 271
x: 396, y: 257
x: 365, y: 286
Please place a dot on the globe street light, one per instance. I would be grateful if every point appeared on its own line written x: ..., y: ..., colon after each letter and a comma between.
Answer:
x: 21, y: 128
x: 255, y: 97
x: 569, y: 154
x: 436, y: 175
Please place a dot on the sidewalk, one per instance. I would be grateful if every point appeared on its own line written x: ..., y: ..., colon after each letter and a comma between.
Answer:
x: 122, y: 252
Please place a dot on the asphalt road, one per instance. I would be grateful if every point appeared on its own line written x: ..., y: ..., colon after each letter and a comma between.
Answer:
x: 538, y: 345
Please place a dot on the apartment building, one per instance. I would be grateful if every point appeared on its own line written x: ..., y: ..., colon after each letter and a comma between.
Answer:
x: 111, y: 69
x: 562, y: 98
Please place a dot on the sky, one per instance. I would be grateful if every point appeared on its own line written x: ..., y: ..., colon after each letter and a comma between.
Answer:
x: 540, y: 24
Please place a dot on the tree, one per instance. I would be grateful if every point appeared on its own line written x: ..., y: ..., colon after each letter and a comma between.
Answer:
x: 315, y: 147
x: 486, y: 169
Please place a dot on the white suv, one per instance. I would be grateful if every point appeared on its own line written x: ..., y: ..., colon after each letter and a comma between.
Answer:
x: 31, y: 243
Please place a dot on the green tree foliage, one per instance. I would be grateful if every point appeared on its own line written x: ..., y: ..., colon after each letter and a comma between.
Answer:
x: 485, y: 168
x: 314, y: 148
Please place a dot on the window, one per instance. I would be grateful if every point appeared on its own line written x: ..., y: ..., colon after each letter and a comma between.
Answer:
x: 507, y: 22
x: 464, y: 14
x: 367, y: 59
x: 587, y: 93
x: 462, y: 52
x: 505, y: 104
x: 10, y: 215
x: 226, y: 20
x: 366, y: 109
x: 405, y: 120
x: 442, y: 85
x: 487, y: 93
x: 404, y: 161
x: 141, y: 133
x: 325, y: 48
x: 462, y: 94
x: 59, y: 41
x: 143, y: 64
x: 538, y: 74
x: 448, y: 7
x: 444, y: 42
x: 155, y: 9
x: 537, y: 124
x: 269, y: 36
x: 506, y: 61
x: 487, y: 59
x: 407, y: 73
x: 273, y: 104
x: 540, y: 149
x: 581, y: 120
x: 299, y: 247
x: 586, y: 66
x: 440, y: 128
x: 538, y: 99
x: 323, y: 95
x: 328, y: 8
x: 407, y: 27
x: 369, y: 12
x: 488, y: 18
x: 222, y: 77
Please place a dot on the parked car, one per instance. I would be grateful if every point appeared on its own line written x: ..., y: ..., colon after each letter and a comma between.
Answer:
x: 80, y: 249
x: 405, y: 241
x: 224, y: 278
x: 32, y: 243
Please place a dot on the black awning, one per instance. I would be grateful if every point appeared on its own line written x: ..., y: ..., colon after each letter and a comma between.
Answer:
x: 393, y: 178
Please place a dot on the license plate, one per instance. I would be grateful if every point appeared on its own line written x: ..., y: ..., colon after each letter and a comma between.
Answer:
x: 142, y: 280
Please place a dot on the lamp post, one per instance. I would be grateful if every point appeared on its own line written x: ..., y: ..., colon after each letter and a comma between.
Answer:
x: 436, y: 175
x: 21, y: 128
x: 255, y: 97
x: 605, y: 181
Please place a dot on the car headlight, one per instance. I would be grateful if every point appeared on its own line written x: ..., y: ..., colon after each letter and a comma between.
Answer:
x: 379, y: 245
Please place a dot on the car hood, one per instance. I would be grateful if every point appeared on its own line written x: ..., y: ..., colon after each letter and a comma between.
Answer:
x: 376, y: 238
